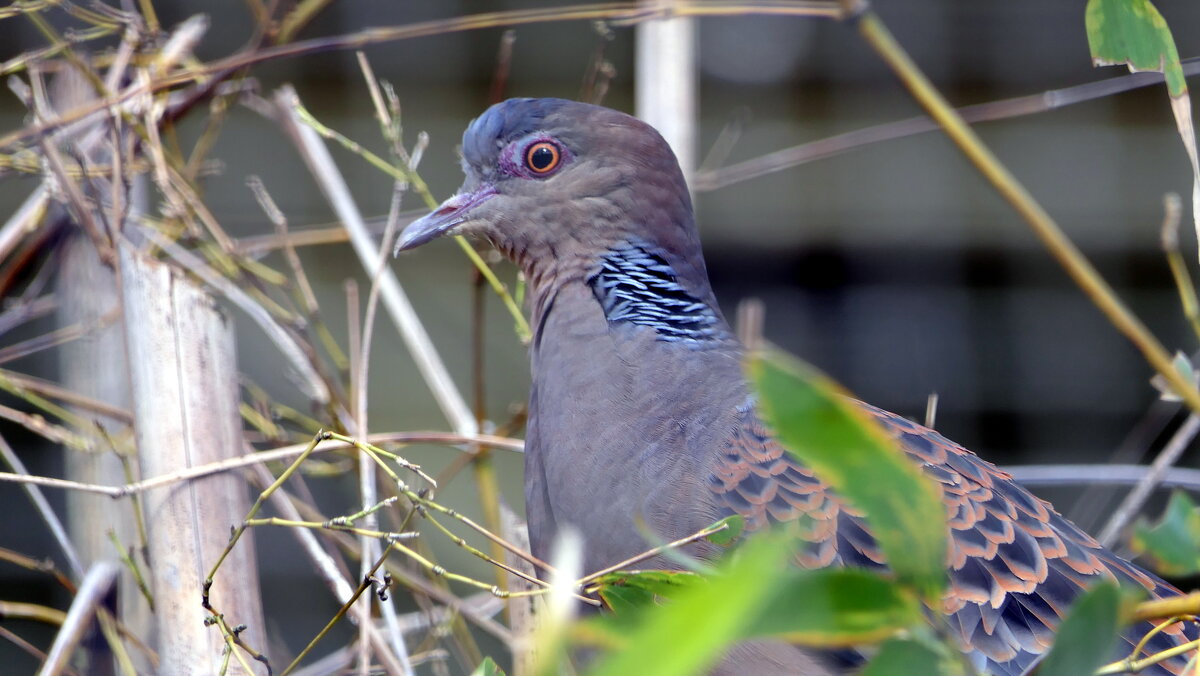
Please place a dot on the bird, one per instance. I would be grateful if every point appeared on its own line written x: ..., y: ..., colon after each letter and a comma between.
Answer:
x: 640, y: 415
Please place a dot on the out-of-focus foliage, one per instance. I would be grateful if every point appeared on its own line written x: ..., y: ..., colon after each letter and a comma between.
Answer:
x: 1173, y: 543
x: 1087, y: 634
x: 848, y: 451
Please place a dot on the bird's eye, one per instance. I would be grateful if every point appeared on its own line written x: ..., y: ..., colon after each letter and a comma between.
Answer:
x: 542, y: 157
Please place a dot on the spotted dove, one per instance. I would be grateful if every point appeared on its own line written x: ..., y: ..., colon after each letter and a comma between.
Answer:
x: 640, y: 415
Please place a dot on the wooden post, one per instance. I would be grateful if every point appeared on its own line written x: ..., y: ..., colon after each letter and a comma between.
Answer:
x: 185, y: 401
x: 95, y: 366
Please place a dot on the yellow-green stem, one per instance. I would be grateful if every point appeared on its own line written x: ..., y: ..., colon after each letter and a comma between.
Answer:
x: 1076, y: 265
x: 489, y: 499
x: 1187, y: 290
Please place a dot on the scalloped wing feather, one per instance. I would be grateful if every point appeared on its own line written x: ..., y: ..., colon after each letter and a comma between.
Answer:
x: 1015, y: 564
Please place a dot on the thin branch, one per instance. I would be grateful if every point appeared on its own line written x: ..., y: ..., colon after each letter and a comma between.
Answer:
x: 323, y: 168
x: 876, y: 34
x: 23, y: 311
x: 326, y: 566
x: 44, y: 510
x: 285, y: 453
x: 99, y: 580
x: 1101, y: 474
x: 1137, y: 497
x: 24, y: 220
x: 20, y: 381
x: 654, y: 551
x: 786, y: 158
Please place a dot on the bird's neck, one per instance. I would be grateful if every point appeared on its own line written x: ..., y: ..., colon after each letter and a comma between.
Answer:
x: 636, y: 379
x: 635, y: 285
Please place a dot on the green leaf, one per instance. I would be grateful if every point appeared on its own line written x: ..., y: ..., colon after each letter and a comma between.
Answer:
x: 689, y: 634
x: 1173, y: 544
x: 1087, y: 635
x: 829, y: 433
x: 835, y: 608
x: 624, y: 600
x: 908, y: 657
x: 487, y: 668
x: 665, y: 583
x: 734, y: 525
x: 1132, y: 32
x: 626, y: 592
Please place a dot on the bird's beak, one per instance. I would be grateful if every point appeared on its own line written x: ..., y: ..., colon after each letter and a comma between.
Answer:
x: 453, y: 212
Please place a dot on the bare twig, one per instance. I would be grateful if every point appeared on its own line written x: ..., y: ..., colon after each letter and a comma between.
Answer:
x: 96, y: 584
x: 54, y: 338
x: 326, y: 566
x: 23, y: 311
x: 876, y: 34
x: 1153, y: 477
x: 23, y: 220
x: 1101, y: 474
x: 316, y: 155
x: 654, y: 551
x: 20, y: 381
x: 44, y: 510
x: 721, y: 177
x: 618, y: 13
x: 285, y: 453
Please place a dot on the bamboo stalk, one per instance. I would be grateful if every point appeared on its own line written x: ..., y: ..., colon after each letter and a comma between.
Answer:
x: 184, y: 386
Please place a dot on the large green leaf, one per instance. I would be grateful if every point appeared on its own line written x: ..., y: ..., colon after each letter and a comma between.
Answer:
x: 1085, y: 639
x: 1132, y: 32
x: 841, y: 443
x: 910, y: 657
x: 835, y: 608
x: 1173, y: 544
x: 757, y: 593
x: 626, y: 592
x: 690, y: 633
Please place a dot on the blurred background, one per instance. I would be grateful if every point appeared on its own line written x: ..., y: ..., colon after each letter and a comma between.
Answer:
x: 892, y: 267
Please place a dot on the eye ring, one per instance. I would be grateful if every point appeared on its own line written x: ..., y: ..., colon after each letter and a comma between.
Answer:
x: 542, y: 157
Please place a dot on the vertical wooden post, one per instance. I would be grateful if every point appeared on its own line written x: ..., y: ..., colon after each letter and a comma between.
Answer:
x: 185, y: 400
x: 95, y: 366
x: 665, y: 84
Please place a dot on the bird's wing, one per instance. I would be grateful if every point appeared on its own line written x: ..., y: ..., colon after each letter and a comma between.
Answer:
x: 1014, y: 563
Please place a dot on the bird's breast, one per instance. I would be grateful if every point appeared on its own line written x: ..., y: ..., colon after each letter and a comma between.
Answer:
x: 622, y: 430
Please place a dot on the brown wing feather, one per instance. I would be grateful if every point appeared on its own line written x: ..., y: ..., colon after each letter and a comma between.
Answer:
x: 1014, y: 563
